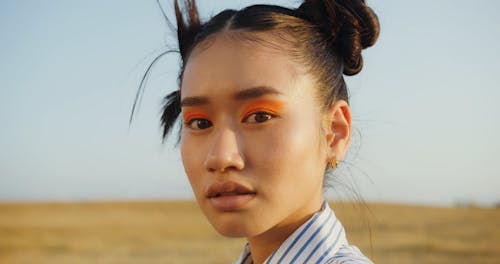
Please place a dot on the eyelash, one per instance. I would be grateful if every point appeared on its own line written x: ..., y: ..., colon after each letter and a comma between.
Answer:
x: 270, y: 115
x: 189, y: 123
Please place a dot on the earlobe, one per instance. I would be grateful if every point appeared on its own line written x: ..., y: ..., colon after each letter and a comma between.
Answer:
x: 339, y: 127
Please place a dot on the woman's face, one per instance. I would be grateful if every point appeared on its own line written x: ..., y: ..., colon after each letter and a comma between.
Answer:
x: 252, y: 142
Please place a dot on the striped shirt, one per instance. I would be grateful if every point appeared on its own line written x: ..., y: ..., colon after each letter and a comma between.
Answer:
x: 320, y: 240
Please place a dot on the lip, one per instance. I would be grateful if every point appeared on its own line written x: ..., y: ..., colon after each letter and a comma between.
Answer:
x: 229, y: 195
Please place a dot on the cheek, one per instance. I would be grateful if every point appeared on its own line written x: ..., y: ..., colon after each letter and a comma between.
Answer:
x: 192, y: 161
x: 185, y: 154
x: 288, y: 155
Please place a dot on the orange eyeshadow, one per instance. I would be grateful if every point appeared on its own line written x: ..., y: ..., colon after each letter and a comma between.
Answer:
x: 266, y: 105
x: 192, y: 114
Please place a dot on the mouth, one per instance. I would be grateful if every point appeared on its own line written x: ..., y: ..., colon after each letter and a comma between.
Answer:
x: 228, y: 188
x: 229, y: 196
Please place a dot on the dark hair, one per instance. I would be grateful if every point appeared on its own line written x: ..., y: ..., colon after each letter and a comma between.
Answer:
x: 327, y: 36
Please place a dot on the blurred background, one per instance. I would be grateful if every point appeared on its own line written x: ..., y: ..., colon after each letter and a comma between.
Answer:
x: 425, y: 106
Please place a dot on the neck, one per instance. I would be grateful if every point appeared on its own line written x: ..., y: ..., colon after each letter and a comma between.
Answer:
x: 263, y: 245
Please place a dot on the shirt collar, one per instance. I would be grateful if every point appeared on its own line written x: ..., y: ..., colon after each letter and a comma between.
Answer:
x: 316, y: 240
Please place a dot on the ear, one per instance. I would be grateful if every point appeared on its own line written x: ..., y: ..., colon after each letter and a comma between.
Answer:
x: 338, y: 128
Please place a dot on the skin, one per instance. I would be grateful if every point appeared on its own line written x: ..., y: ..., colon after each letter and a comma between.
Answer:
x: 275, y: 141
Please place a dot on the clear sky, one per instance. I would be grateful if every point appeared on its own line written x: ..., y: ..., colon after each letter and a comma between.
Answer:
x: 425, y: 105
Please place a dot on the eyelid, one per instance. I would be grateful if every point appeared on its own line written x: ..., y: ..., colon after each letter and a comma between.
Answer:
x: 192, y: 114
x: 265, y: 105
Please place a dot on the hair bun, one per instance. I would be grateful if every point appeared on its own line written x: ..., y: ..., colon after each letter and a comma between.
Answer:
x: 350, y: 25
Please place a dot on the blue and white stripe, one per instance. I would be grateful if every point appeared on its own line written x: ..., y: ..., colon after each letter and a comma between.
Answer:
x: 320, y: 240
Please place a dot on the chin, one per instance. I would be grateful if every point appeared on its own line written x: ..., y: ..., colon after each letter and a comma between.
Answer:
x: 235, y: 225
x: 241, y: 222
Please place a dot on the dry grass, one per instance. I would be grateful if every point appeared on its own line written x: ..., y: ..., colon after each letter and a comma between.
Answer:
x: 176, y: 232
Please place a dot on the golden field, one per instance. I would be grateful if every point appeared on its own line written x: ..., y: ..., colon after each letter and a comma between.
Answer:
x: 176, y: 232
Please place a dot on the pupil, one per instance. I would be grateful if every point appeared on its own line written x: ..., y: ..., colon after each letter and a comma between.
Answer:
x: 203, y: 124
x: 261, y: 117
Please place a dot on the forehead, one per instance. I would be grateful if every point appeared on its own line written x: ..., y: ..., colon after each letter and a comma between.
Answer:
x: 225, y: 64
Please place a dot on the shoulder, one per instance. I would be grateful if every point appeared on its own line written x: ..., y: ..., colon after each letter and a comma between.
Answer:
x: 349, y: 254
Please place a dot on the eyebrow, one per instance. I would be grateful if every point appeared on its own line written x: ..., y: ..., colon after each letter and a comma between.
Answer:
x: 246, y: 94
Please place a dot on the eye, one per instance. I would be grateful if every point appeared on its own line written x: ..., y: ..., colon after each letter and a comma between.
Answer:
x: 258, y: 117
x: 198, y: 123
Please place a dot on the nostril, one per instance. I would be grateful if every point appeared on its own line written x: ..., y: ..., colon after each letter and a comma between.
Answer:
x: 212, y: 170
x: 223, y: 169
x: 224, y: 163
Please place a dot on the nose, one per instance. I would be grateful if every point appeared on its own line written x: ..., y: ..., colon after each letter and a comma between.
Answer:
x: 224, y: 153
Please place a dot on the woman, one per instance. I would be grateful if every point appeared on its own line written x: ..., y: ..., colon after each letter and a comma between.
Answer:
x: 265, y: 117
